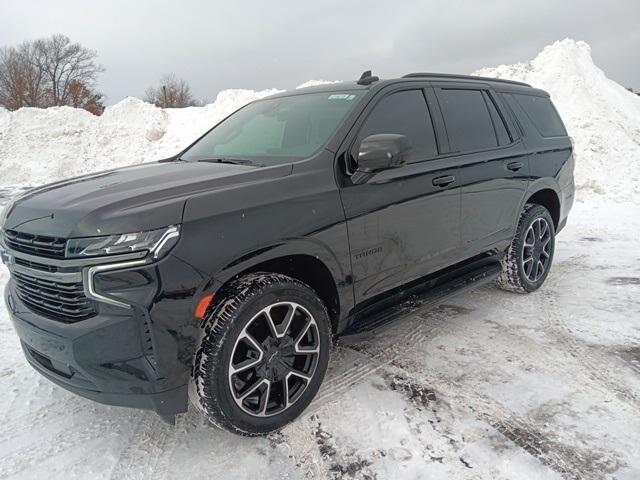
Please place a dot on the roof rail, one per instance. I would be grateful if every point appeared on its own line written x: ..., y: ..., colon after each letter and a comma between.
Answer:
x: 464, y: 77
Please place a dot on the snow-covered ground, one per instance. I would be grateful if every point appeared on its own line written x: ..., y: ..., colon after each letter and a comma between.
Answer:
x: 491, y: 385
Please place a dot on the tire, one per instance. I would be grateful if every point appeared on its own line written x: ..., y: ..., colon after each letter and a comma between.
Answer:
x: 257, y: 368
x: 524, y: 266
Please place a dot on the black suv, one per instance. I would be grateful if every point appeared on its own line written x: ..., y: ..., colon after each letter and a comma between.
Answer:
x: 221, y: 275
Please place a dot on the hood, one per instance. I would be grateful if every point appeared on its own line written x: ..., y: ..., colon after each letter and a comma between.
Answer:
x: 130, y: 199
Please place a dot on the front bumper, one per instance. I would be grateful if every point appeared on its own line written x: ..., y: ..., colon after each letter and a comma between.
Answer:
x: 136, y: 356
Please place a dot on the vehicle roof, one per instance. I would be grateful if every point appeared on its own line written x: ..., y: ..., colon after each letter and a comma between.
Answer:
x: 497, y: 83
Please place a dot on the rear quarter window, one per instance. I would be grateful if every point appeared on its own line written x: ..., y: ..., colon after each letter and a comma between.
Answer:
x: 542, y: 114
x: 501, y: 130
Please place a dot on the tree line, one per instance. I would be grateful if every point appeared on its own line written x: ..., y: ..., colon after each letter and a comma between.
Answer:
x: 55, y: 71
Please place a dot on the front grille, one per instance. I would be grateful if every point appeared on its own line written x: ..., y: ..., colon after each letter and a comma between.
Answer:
x: 35, y: 265
x: 64, y: 302
x: 41, y: 245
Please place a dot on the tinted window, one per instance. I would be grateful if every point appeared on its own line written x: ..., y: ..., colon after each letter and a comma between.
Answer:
x: 276, y: 130
x: 498, y: 122
x: 467, y: 118
x: 542, y: 114
x: 404, y: 113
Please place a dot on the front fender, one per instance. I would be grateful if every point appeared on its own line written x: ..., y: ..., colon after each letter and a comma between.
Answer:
x: 286, y: 248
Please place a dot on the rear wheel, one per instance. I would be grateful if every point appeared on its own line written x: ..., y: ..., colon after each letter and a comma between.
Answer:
x: 263, y: 354
x: 526, y: 263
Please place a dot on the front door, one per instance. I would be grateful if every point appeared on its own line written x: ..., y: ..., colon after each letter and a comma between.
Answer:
x: 404, y: 222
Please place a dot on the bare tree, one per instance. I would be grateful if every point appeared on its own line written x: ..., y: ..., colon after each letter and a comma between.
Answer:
x: 172, y: 92
x: 21, y: 83
x: 49, y: 72
x: 63, y: 63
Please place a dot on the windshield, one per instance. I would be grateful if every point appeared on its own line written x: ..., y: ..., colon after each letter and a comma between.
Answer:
x: 276, y: 130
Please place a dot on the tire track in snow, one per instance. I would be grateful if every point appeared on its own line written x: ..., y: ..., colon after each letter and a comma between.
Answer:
x: 577, y: 376
x: 390, y: 355
x: 42, y: 450
x: 145, y: 450
x: 632, y: 358
x: 297, y: 439
x: 410, y: 330
x: 571, y: 462
x: 41, y: 417
x: 298, y: 444
x: 596, y: 362
x: 602, y: 367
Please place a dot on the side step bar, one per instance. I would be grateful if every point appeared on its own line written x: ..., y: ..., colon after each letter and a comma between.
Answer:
x: 369, y: 323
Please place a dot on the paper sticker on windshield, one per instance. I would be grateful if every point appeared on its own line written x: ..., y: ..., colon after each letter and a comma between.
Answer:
x: 341, y: 96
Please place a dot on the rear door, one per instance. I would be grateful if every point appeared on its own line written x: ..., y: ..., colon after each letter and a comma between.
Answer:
x: 404, y: 222
x: 493, y: 166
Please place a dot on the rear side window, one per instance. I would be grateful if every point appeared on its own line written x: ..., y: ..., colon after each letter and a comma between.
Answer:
x: 467, y: 118
x: 404, y: 113
x: 542, y: 114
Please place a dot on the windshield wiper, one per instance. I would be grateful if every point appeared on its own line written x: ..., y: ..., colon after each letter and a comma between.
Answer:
x: 234, y: 161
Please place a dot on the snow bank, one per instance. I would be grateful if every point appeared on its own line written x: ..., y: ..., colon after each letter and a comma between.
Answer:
x: 601, y: 116
x: 43, y: 145
x: 39, y: 146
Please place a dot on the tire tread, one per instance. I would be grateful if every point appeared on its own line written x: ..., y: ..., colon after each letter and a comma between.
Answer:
x: 510, y: 277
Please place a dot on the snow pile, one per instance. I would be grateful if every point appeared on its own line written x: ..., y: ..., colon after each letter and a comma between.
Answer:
x: 43, y: 145
x: 40, y: 146
x: 601, y: 116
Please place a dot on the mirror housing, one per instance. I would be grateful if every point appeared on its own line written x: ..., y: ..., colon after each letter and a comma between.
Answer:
x: 380, y: 152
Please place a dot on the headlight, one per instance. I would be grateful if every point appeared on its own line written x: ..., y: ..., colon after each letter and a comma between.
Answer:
x: 158, y: 242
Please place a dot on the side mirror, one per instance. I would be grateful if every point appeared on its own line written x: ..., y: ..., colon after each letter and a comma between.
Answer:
x: 380, y: 152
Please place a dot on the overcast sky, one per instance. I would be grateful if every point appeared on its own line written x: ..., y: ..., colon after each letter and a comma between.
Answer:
x: 253, y: 44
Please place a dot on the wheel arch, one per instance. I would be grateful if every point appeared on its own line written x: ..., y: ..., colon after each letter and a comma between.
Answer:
x: 310, y: 271
x: 316, y: 267
x: 549, y: 199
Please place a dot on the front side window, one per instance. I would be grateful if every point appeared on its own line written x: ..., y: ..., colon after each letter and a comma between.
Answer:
x: 276, y: 130
x: 467, y: 119
x: 404, y: 113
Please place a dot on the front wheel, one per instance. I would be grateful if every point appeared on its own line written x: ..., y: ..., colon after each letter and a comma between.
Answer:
x: 263, y: 354
x: 527, y: 261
